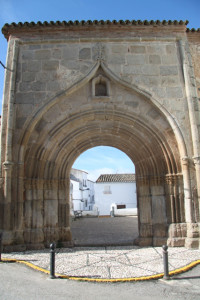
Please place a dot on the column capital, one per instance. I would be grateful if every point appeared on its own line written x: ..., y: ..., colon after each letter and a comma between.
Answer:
x: 185, y: 160
x: 8, y: 165
x: 196, y: 160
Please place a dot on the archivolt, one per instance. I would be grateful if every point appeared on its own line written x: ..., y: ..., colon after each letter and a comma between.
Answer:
x: 56, y: 149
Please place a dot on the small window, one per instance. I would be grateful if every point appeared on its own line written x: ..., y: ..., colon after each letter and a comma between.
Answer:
x: 121, y: 206
x: 107, y: 189
x: 100, y: 89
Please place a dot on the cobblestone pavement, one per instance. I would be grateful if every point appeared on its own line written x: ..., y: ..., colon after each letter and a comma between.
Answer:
x: 111, y: 261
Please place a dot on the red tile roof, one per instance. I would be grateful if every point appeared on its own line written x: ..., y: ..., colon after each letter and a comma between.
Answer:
x: 116, y: 178
x: 7, y: 28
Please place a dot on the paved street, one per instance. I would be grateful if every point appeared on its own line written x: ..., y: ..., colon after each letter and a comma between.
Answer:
x: 21, y: 283
x: 105, y: 231
x: 101, y: 262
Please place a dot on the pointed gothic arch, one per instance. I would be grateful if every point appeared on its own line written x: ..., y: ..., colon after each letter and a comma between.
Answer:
x: 50, y: 146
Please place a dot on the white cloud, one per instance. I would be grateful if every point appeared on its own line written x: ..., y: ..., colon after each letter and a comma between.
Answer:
x: 94, y: 174
x: 104, y: 160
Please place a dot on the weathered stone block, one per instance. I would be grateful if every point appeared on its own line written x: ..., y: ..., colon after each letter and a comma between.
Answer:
x: 50, y: 65
x: 168, y: 70
x: 154, y: 115
x: 27, y: 55
x: 42, y: 54
x: 34, y: 47
x: 117, y: 59
x: 56, y: 53
x: 53, y: 86
x: 137, y: 49
x: 37, y: 214
x: 158, y: 210
x: 193, y: 230
x: 25, y: 87
x: 50, y: 213
x: 176, y: 242
x: 150, y: 70
x: 146, y: 230
x: 154, y: 59
x: 169, y: 60
x: 45, y: 76
x: 174, y: 92
x: 156, y: 48
x: 171, y: 49
x: 192, y: 243
x: 145, y: 209
x: 132, y: 70
x: 119, y: 48
x: 169, y: 81
x: 158, y: 241
x: 85, y: 53
x: 28, y: 76
x: 70, y: 53
x: 38, y: 86
x: 31, y: 66
x: 160, y: 230
x: 137, y: 59
x: 20, y: 122
x: 24, y: 98
x: 157, y: 190
x: 23, y: 110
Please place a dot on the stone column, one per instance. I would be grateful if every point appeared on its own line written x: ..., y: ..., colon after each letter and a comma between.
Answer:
x: 177, y: 230
x: 159, y: 217
x: 192, y: 100
x: 197, y: 167
x: 51, y: 229
x: 144, y: 212
x: 8, y: 217
x: 187, y: 190
x: 64, y: 212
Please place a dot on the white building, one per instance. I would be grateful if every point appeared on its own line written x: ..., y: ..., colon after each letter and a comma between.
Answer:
x: 81, y: 190
x: 118, y: 191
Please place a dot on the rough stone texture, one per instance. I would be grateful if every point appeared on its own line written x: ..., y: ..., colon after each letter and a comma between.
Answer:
x: 51, y: 115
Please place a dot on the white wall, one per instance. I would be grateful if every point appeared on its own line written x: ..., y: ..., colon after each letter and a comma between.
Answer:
x: 82, y: 193
x: 110, y: 193
x: 76, y: 196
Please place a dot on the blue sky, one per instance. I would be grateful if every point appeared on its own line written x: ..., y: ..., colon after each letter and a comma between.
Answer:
x: 104, y: 160
x: 51, y: 10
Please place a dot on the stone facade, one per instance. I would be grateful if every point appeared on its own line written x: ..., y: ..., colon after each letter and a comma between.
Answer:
x: 72, y: 86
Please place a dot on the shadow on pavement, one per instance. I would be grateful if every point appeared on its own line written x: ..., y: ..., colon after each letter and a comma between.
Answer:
x: 117, y: 231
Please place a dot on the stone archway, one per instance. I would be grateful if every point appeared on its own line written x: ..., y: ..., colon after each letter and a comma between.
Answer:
x: 127, y: 120
x: 99, y: 104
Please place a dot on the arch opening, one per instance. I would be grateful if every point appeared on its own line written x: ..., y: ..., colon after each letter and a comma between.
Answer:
x: 103, y: 198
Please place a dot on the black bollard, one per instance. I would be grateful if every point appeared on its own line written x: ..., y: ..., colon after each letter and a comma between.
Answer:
x: 0, y: 244
x: 52, y: 261
x: 165, y: 262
